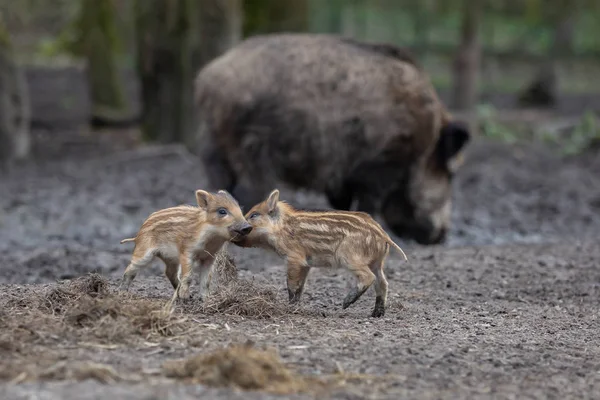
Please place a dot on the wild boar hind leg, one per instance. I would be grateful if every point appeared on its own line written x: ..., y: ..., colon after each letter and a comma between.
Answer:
x: 381, y: 289
x: 141, y: 258
x: 184, y: 276
x: 364, y: 279
x: 172, y: 270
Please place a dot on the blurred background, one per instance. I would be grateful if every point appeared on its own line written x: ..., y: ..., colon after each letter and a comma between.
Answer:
x: 96, y: 109
x: 97, y: 62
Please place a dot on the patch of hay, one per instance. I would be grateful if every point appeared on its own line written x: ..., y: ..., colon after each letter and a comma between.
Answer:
x: 232, y: 295
x: 225, y: 269
x: 240, y: 366
x: 57, y: 299
x: 116, y: 318
x: 245, y: 298
x: 82, y: 310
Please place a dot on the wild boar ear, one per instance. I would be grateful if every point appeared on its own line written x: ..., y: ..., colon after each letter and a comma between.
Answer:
x: 202, y: 198
x: 272, y: 200
x: 453, y: 138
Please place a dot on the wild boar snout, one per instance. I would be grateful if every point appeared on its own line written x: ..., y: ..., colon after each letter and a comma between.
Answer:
x: 242, y: 229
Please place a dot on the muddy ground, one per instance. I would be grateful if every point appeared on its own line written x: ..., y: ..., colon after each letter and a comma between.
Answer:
x: 508, y: 308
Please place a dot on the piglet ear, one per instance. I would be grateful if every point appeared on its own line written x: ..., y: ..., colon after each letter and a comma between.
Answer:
x: 272, y: 200
x: 453, y: 138
x: 202, y: 198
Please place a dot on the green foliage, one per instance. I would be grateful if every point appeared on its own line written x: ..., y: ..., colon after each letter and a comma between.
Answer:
x: 91, y: 21
x: 491, y: 128
x: 585, y: 134
x: 527, y: 25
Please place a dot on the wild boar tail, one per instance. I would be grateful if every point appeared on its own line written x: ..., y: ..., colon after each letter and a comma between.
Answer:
x: 393, y: 244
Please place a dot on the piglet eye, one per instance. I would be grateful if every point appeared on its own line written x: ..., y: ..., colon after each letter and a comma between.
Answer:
x: 254, y: 215
x: 222, y: 211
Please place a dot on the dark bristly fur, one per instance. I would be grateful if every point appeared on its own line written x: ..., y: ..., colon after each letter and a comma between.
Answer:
x: 308, y: 239
x: 354, y: 120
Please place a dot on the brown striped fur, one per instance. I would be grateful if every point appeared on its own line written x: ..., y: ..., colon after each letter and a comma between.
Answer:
x: 309, y: 239
x: 186, y: 238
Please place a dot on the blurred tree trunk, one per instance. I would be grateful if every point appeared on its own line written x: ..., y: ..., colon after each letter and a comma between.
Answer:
x: 175, y: 39
x: 543, y: 89
x: 15, y: 142
x: 467, y: 61
x: 94, y: 36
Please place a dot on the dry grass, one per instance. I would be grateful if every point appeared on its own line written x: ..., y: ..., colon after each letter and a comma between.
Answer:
x: 225, y: 269
x: 38, y: 324
x: 240, y: 366
x: 244, y: 298
x: 231, y: 295
x: 81, y: 309
x: 56, y: 300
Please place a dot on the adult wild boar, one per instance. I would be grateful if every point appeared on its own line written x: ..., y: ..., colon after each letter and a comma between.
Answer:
x: 354, y: 120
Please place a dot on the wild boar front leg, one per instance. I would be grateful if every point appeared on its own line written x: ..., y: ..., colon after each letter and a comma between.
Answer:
x: 296, y: 278
x: 184, y: 276
x: 172, y: 271
x: 205, y: 269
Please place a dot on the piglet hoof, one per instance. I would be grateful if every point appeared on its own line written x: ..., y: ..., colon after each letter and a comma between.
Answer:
x: 350, y: 298
x: 378, y: 313
x: 347, y: 303
x: 184, y: 294
x: 294, y: 298
x: 379, y: 309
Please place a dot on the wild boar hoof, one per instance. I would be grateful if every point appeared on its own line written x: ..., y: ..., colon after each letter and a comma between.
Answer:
x: 378, y: 312
x: 294, y: 297
x: 347, y: 303
x: 379, y: 309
